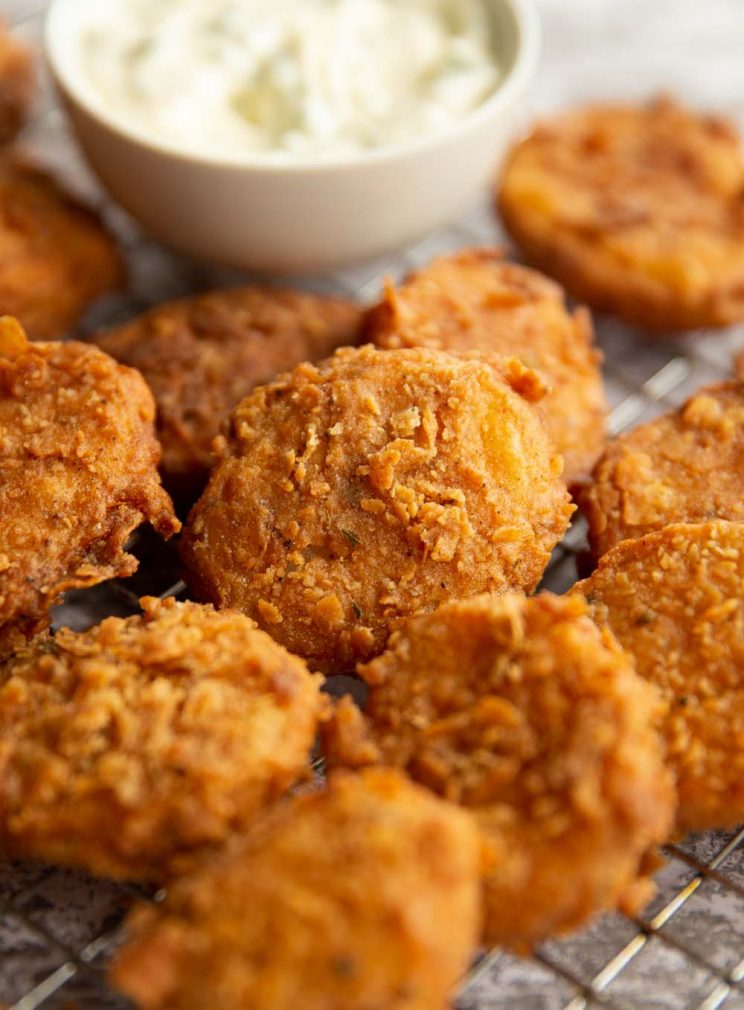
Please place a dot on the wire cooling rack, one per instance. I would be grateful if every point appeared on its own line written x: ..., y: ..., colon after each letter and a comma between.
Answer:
x: 57, y: 928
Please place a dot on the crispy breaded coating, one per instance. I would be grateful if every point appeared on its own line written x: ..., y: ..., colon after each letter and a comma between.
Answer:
x: 55, y: 255
x: 523, y: 711
x: 476, y: 301
x: 686, y: 466
x: 202, y: 355
x: 136, y: 746
x: 78, y: 473
x: 17, y: 83
x: 637, y: 210
x: 378, y: 483
x: 675, y: 601
x: 361, y: 896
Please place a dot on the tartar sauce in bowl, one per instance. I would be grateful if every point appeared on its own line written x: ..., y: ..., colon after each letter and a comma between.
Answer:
x: 293, y: 79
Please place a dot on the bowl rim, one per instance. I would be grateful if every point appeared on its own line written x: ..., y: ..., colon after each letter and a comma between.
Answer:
x: 59, y: 31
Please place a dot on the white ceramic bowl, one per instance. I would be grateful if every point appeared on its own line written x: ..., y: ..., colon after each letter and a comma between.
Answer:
x: 297, y: 217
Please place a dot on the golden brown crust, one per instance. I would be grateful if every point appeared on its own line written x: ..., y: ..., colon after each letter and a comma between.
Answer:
x: 17, y: 83
x: 133, y: 747
x: 687, y: 466
x: 360, y: 896
x: 55, y: 255
x: 675, y: 601
x: 524, y: 712
x: 476, y: 301
x: 78, y: 473
x: 378, y: 483
x: 637, y: 210
x: 202, y: 355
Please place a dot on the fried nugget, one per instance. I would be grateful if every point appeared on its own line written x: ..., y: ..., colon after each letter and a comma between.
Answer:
x: 523, y: 711
x: 134, y: 747
x: 363, y: 895
x: 55, y: 255
x: 675, y: 601
x: 637, y: 210
x: 17, y: 81
x: 203, y: 354
x: 78, y: 473
x: 376, y: 484
x: 686, y: 466
x: 475, y: 301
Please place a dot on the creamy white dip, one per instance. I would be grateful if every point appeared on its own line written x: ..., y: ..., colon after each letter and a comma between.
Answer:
x: 301, y: 78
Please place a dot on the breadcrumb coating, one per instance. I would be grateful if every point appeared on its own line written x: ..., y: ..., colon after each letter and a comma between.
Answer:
x: 675, y: 601
x: 686, y: 466
x: 133, y: 748
x: 523, y: 711
x: 17, y: 83
x: 637, y: 210
x: 78, y: 473
x: 56, y: 257
x: 202, y: 355
x: 378, y: 483
x: 364, y: 895
x: 476, y: 301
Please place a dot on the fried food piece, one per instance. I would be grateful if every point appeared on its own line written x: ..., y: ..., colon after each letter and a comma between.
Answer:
x: 55, y: 255
x: 475, y: 301
x: 133, y: 747
x: 17, y: 83
x: 78, y: 473
x: 523, y: 711
x: 373, y: 485
x: 359, y: 896
x: 675, y: 601
x: 637, y: 210
x: 202, y: 355
x: 687, y: 466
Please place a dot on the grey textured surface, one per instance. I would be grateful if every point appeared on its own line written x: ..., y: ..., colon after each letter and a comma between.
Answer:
x: 688, y: 952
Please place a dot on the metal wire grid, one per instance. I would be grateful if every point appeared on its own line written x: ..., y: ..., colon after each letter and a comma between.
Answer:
x: 684, y: 953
